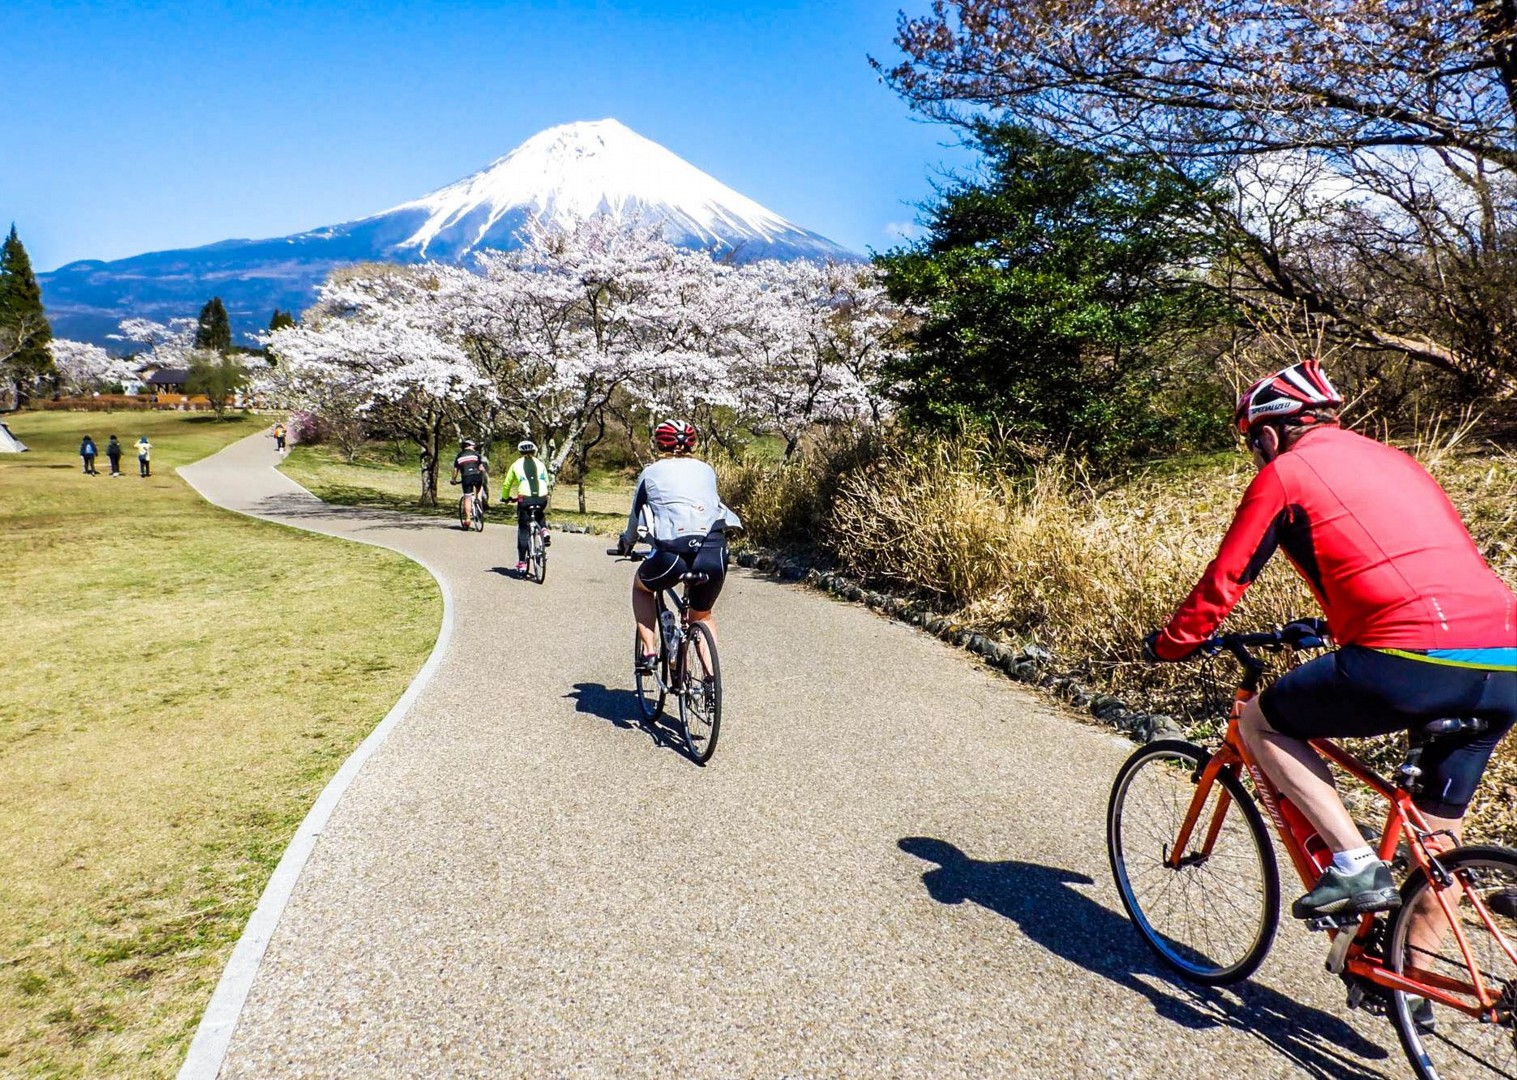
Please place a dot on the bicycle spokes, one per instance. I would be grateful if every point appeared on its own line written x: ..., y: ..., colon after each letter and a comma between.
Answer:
x: 1453, y: 954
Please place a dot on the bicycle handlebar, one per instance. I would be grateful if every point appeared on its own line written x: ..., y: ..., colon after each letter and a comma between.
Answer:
x: 1299, y: 634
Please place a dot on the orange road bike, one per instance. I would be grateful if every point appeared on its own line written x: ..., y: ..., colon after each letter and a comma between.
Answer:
x: 1198, y: 876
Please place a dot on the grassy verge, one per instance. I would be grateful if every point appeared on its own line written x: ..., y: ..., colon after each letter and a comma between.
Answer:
x: 180, y: 684
x: 1086, y: 568
x: 381, y: 478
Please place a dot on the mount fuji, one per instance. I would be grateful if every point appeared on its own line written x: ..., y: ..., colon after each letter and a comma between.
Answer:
x: 559, y: 176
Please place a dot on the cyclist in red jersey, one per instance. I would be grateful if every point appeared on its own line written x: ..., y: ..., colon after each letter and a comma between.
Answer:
x: 1424, y: 628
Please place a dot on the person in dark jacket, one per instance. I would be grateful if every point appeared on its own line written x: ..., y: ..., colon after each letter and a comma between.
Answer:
x: 87, y: 452
x: 113, y: 452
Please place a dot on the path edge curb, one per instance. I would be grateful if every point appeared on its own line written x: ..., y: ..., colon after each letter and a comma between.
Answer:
x: 213, y: 1035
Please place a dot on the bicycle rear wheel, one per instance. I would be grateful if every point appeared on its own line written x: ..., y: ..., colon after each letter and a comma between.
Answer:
x: 1440, y: 1041
x: 698, y: 679
x: 650, y: 687
x: 1213, y: 917
x: 479, y: 514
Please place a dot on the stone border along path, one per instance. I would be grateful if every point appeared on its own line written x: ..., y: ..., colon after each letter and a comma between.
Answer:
x: 894, y: 866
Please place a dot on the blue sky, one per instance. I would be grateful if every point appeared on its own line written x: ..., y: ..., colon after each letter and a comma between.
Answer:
x: 153, y: 125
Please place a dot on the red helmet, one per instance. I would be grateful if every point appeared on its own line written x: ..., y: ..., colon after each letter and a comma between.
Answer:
x: 674, y: 436
x: 1296, y: 389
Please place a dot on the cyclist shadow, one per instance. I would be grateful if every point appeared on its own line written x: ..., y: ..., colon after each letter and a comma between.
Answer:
x: 620, y: 707
x: 1041, y: 901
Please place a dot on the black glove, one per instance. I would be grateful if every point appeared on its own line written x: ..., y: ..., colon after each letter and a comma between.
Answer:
x: 1151, y: 651
x: 622, y: 547
x: 1305, y: 633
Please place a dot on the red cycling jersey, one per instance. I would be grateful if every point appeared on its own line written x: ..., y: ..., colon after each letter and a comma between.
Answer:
x: 1374, y: 536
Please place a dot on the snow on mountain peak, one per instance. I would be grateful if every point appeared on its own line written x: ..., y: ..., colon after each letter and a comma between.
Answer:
x: 572, y: 172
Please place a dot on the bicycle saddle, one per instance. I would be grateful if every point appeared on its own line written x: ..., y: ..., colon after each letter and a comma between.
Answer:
x: 695, y: 578
x: 1450, y: 725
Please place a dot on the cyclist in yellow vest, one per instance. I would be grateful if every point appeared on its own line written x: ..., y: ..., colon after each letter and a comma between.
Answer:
x: 528, y: 481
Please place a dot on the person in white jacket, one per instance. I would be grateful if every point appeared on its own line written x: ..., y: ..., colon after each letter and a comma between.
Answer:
x: 687, y: 523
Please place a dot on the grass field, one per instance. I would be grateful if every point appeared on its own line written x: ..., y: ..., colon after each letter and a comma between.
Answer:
x: 377, y: 479
x: 180, y: 683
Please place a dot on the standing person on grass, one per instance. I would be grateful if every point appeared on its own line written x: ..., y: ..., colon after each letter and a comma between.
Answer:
x: 113, y: 453
x: 1424, y: 628
x: 87, y: 451
x: 530, y: 482
x: 688, y: 533
x: 144, y: 455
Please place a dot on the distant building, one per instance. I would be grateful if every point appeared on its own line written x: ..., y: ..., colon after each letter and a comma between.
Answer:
x: 157, y: 380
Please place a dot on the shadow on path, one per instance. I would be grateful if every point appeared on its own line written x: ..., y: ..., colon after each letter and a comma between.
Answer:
x: 1069, y: 924
x: 298, y: 506
x: 620, y: 707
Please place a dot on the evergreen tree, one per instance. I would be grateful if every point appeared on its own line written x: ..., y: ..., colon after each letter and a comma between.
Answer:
x: 281, y: 320
x: 25, y: 359
x: 1055, y: 286
x: 214, y: 330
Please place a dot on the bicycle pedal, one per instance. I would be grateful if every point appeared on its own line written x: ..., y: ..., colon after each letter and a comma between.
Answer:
x: 1323, y: 923
x: 1366, y: 996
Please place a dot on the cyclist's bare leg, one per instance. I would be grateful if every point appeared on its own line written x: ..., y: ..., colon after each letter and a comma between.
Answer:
x: 1301, y: 776
x: 645, y: 611
x: 710, y: 623
x: 704, y: 617
x: 1429, y: 926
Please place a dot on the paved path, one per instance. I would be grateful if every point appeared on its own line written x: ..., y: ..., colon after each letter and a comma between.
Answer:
x: 894, y: 865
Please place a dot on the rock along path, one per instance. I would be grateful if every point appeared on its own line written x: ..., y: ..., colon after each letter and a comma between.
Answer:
x: 893, y: 866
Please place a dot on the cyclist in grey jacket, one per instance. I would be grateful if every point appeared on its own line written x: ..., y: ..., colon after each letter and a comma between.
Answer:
x: 687, y: 522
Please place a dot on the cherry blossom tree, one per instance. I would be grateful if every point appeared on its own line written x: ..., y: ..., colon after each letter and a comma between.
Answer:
x: 379, y: 338
x: 1406, y: 108
x: 816, y: 338
x: 83, y: 367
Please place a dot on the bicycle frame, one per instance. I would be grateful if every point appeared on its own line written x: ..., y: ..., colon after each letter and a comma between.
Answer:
x: 1402, y: 819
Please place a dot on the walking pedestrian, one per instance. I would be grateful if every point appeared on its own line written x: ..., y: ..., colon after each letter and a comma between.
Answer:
x: 113, y: 452
x: 279, y: 437
x: 144, y: 453
x: 87, y: 452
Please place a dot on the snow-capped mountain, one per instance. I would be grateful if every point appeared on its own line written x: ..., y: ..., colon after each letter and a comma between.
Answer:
x: 557, y: 177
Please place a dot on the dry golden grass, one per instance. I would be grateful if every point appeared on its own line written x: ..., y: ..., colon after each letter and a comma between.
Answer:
x: 1086, y: 569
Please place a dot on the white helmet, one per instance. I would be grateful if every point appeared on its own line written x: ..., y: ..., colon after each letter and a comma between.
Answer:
x: 526, y: 446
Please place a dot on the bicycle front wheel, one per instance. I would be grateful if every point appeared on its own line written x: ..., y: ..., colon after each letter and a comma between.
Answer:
x: 1213, y: 916
x: 1441, y: 1041
x: 650, y: 687
x: 539, y: 558
x: 699, y: 682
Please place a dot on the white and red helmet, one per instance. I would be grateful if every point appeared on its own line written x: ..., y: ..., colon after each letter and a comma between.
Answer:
x: 674, y: 436
x: 1294, y: 390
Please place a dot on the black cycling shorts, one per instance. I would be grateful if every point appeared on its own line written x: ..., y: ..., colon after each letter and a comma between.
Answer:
x: 473, y: 482
x: 688, y: 554
x: 1357, y: 692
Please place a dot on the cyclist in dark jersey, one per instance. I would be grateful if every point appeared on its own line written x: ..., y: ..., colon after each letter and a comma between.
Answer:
x: 1425, y: 628
x: 472, y: 469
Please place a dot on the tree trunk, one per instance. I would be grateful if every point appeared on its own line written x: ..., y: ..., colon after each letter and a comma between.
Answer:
x: 431, y: 451
x: 579, y: 463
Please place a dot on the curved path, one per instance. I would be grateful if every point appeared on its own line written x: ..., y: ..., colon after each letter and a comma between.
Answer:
x: 894, y: 865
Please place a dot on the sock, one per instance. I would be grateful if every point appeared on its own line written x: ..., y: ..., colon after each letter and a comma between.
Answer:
x: 1352, y: 862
